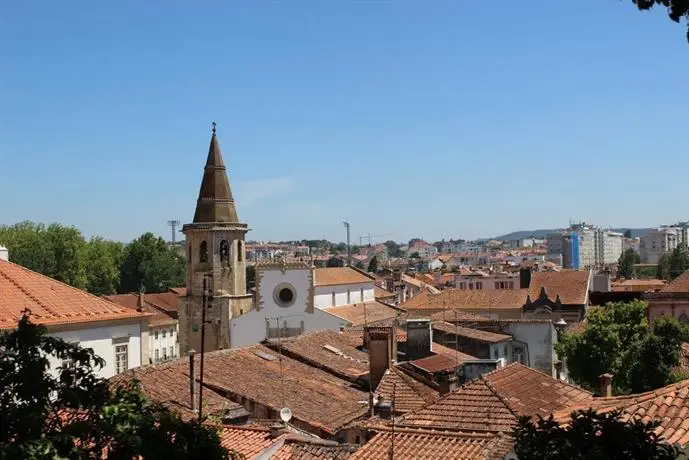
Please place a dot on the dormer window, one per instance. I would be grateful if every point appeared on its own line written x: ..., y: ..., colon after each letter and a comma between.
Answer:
x: 224, y: 252
x: 203, y: 252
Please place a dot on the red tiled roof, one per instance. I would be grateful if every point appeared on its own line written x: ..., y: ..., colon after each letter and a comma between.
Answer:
x: 572, y: 286
x: 359, y: 314
x: 180, y: 291
x: 419, y: 444
x: 327, y: 350
x: 354, y: 336
x: 246, y: 441
x: 409, y: 394
x: 668, y: 405
x: 131, y: 301
x: 381, y: 293
x: 458, y: 299
x: 442, y: 361
x: 333, y: 276
x: 255, y: 373
x: 679, y: 284
x: 300, y: 448
x: 531, y: 392
x: 474, y: 334
x: 52, y: 302
x: 168, y: 384
x: 475, y: 406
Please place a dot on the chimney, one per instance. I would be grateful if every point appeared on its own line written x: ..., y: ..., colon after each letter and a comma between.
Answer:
x: 447, y: 382
x: 378, y: 340
x: 140, y: 301
x: 383, y: 408
x: 4, y: 253
x: 419, y: 338
x: 606, y: 385
x: 192, y: 380
x: 524, y: 277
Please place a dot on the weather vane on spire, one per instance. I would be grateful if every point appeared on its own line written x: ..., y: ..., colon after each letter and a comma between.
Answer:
x: 214, y: 125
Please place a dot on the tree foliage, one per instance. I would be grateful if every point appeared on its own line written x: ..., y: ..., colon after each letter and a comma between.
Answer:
x: 617, y: 339
x: 373, y: 265
x: 100, y: 266
x: 677, y: 9
x: 393, y: 249
x: 625, y: 265
x: 590, y: 436
x: 335, y: 262
x: 673, y: 264
x: 69, y: 412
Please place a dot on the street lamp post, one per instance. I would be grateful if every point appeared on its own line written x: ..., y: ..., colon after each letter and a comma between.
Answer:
x: 207, y: 302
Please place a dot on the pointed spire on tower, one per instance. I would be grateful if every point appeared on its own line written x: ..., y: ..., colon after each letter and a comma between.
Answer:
x: 215, y: 203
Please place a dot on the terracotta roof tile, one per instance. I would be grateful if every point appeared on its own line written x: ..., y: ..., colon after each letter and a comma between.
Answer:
x: 531, y: 392
x: 458, y: 299
x: 168, y: 383
x: 255, y: 373
x: 312, y: 449
x: 409, y: 394
x: 368, y: 312
x: 131, y: 301
x: 327, y: 350
x: 381, y: 293
x: 443, y: 359
x: 50, y: 301
x: 572, y: 286
x: 474, y: 406
x: 354, y: 336
x: 419, y: 444
x: 668, y: 405
x: 679, y: 284
x: 474, y: 334
x: 332, y: 276
x: 246, y: 441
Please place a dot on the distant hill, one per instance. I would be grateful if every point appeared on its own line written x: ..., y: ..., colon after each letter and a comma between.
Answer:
x: 541, y: 233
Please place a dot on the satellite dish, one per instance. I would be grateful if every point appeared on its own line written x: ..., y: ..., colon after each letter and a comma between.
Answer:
x: 285, y: 414
x: 511, y: 456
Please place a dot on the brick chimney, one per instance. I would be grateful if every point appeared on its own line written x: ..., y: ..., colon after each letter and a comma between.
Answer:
x: 606, y: 385
x: 419, y: 338
x: 447, y: 382
x: 379, y: 343
x: 140, y: 301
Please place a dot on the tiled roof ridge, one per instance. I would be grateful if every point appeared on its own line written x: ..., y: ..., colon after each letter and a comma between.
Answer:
x: 27, y: 293
x: 645, y: 396
x: 412, y: 384
x: 449, y: 432
x: 531, y: 369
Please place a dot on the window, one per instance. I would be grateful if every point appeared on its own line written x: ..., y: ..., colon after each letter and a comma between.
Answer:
x: 518, y: 354
x: 164, y: 353
x: 164, y: 334
x: 471, y: 286
x: 479, y: 285
x: 362, y: 294
x: 240, y: 251
x: 157, y: 355
x: 511, y: 285
x: 333, y: 298
x: 224, y: 252
x: 156, y: 335
x: 497, y: 285
x: 284, y: 295
x: 203, y: 252
x: 495, y: 353
x: 349, y: 296
x: 121, y: 358
x: 172, y: 352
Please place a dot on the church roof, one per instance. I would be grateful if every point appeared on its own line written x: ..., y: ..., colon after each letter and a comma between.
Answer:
x: 215, y: 203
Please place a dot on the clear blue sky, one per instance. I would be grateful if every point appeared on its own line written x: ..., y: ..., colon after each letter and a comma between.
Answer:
x: 413, y: 118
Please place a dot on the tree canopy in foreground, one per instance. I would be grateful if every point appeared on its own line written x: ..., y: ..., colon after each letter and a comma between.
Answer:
x: 73, y: 414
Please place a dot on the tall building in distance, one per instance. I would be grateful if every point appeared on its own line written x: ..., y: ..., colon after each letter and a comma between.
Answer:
x: 586, y: 246
x: 215, y: 254
x: 658, y: 242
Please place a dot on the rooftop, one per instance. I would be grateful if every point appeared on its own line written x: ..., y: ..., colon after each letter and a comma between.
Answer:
x: 474, y: 334
x: 409, y: 394
x: 327, y: 350
x: 51, y: 302
x: 414, y: 444
x: 335, y: 276
x: 669, y: 406
x: 471, y: 299
x: 370, y: 312
x: 679, y: 284
x: 354, y: 336
x: 571, y: 285
x: 160, y: 317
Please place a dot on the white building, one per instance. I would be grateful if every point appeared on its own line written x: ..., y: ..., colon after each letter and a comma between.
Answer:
x: 115, y: 333
x: 284, y: 306
x: 337, y: 286
x: 610, y: 247
x: 658, y: 242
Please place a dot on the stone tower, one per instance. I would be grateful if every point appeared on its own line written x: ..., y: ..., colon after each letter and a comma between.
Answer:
x: 215, y: 252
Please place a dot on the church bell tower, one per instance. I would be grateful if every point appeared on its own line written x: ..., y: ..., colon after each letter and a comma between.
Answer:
x: 216, y: 254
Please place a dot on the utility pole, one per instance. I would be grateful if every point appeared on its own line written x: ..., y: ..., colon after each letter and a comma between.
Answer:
x: 349, y: 252
x: 173, y: 224
x: 207, y: 302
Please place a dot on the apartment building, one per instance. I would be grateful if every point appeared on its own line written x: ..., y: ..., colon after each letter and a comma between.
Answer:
x: 583, y: 246
x: 658, y: 242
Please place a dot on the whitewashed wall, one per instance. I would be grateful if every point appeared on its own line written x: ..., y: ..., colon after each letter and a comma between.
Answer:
x: 324, y: 294
x: 101, y: 340
x: 159, y: 342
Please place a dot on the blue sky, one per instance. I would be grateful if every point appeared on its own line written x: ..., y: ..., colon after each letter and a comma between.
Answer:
x: 434, y: 119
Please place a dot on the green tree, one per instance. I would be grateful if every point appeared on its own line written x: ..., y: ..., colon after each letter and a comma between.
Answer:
x: 677, y: 9
x: 103, y: 259
x: 663, y: 271
x: 618, y: 340
x: 625, y: 265
x: 393, y: 249
x: 590, y: 436
x: 359, y: 264
x: 335, y: 262
x: 627, y: 233
x: 28, y: 246
x: 679, y: 262
x: 69, y: 255
x: 373, y: 265
x: 415, y: 255
x: 149, y: 263
x: 75, y: 414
